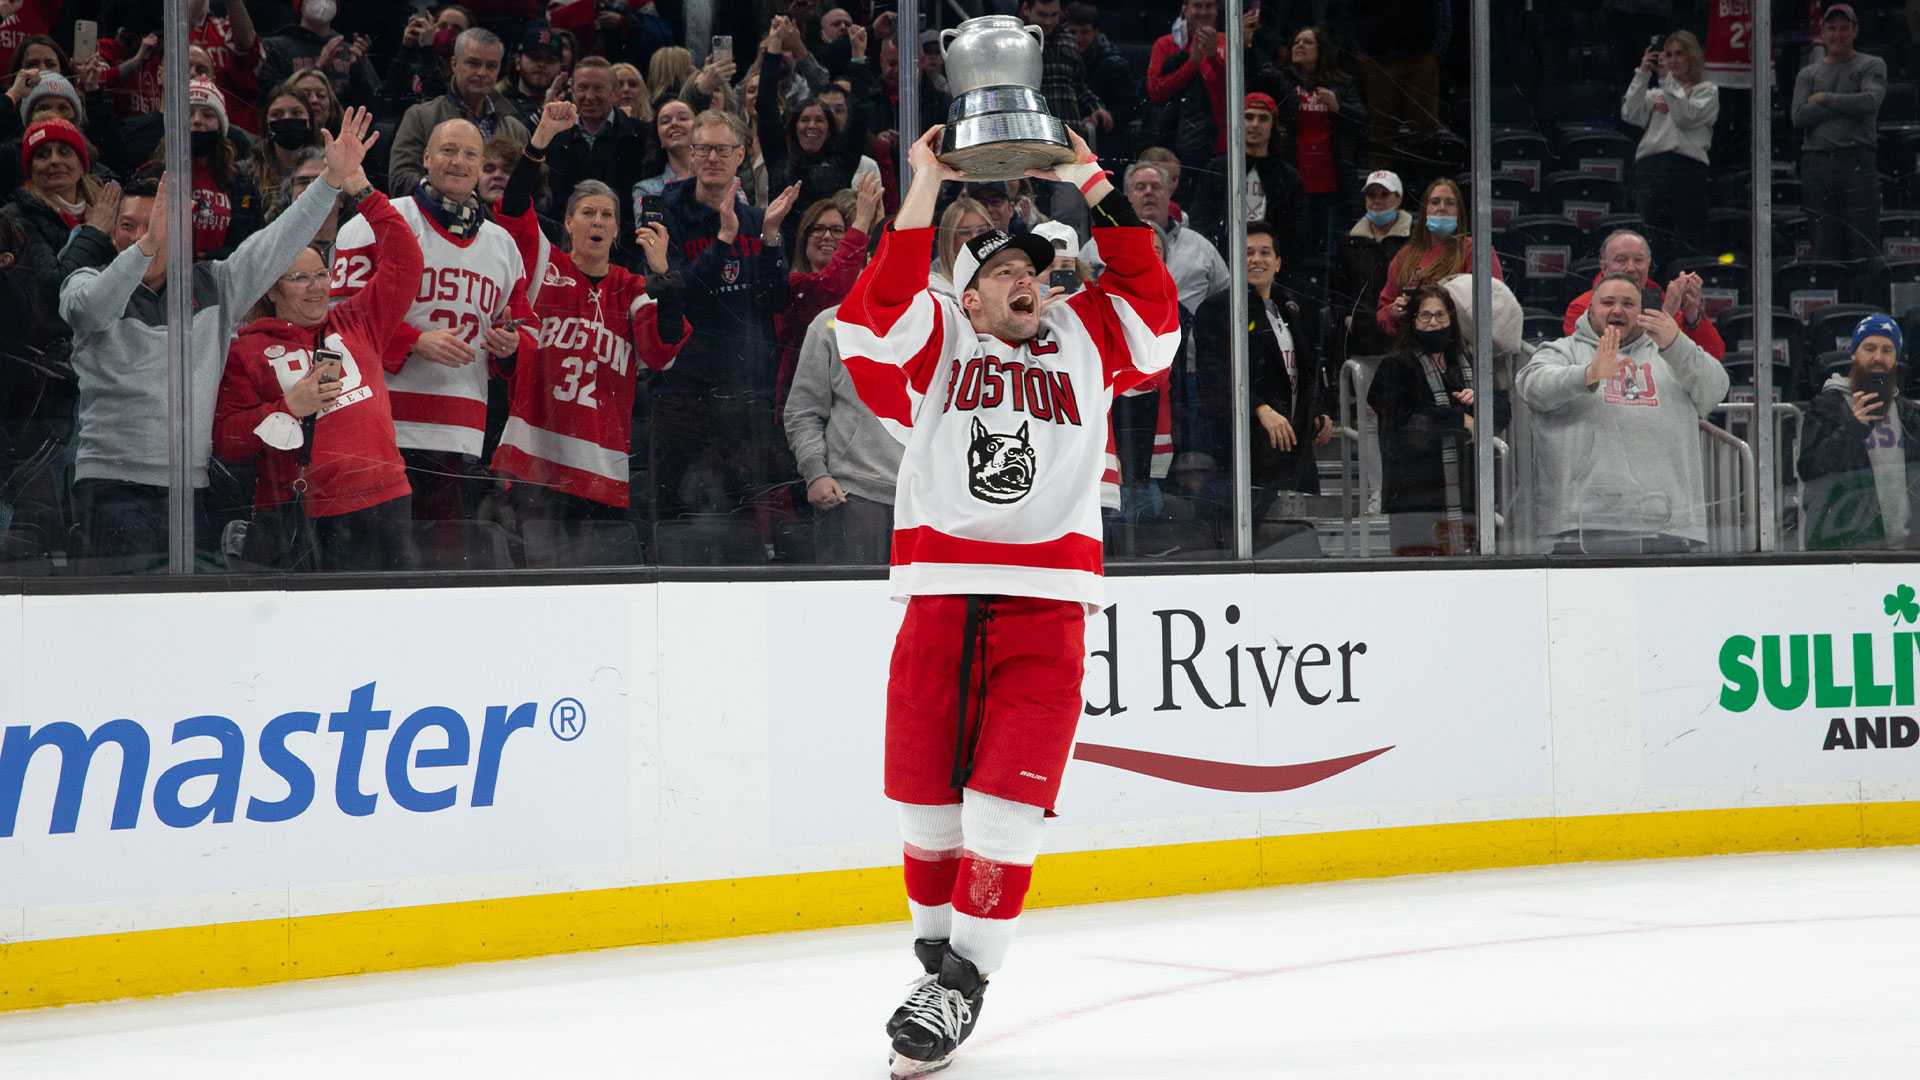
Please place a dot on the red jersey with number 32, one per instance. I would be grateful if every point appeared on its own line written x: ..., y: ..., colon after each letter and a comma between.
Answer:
x: 571, y: 421
x: 469, y: 286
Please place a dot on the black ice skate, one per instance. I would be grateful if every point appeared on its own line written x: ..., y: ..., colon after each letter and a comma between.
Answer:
x: 929, y: 951
x: 941, y: 1012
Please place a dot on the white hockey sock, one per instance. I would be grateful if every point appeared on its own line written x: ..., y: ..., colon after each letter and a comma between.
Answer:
x: 1002, y: 839
x: 930, y: 839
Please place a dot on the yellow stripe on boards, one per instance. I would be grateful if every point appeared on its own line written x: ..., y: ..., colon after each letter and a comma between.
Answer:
x: 102, y: 967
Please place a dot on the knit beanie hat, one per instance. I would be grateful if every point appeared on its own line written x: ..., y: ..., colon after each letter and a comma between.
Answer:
x: 202, y: 92
x: 53, y: 129
x: 1878, y: 326
x: 53, y: 84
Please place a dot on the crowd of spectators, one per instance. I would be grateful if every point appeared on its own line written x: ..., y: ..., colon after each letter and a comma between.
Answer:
x: 634, y: 219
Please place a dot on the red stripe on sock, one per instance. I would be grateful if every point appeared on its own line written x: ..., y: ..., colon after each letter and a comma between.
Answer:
x: 930, y: 881
x: 991, y: 890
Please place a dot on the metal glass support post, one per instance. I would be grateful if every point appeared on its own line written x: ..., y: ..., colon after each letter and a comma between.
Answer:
x: 1481, y: 135
x: 179, y: 306
x: 906, y: 36
x: 1762, y: 248
x: 1236, y: 254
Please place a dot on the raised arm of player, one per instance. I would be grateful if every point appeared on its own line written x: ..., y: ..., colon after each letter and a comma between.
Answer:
x: 1133, y: 312
x: 893, y: 333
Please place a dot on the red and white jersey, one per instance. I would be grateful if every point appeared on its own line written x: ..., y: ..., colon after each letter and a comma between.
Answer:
x: 469, y: 286
x: 570, y: 425
x: 999, y: 488
x: 1729, y: 44
x: 33, y: 17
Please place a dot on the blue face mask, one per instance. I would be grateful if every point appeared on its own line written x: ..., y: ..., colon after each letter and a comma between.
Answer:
x: 1382, y: 218
x: 1442, y: 225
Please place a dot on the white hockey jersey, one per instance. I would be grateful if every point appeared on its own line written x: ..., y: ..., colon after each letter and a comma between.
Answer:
x: 468, y: 286
x: 999, y: 488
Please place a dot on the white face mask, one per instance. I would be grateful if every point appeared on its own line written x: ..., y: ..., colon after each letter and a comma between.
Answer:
x: 320, y: 11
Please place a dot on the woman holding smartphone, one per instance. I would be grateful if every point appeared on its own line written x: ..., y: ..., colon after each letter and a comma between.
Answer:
x: 1860, y: 458
x: 304, y: 395
x: 1672, y: 99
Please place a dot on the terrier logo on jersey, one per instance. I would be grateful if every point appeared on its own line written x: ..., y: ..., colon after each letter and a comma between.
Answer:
x: 556, y: 279
x: 1000, y: 468
x: 730, y: 272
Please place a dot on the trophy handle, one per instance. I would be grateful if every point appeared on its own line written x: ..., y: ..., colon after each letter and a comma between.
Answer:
x: 1039, y: 35
x: 944, y: 35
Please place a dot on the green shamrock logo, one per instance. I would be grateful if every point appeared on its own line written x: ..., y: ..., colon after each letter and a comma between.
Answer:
x: 1901, y: 605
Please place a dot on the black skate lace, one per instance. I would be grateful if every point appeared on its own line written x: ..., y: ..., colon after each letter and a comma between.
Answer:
x: 940, y: 1010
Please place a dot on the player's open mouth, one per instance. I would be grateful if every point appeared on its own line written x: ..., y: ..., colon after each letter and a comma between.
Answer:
x: 1022, y: 303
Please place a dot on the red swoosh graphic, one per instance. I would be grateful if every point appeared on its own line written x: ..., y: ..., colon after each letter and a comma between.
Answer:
x: 1221, y: 775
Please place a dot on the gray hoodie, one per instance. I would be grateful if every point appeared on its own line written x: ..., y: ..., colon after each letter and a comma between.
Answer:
x: 1620, y: 455
x: 830, y: 430
x: 120, y: 344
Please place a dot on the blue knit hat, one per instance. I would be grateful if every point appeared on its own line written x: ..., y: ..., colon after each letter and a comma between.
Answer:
x: 1878, y: 326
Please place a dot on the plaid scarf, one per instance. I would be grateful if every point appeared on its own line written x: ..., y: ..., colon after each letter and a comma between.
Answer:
x: 460, y: 219
x: 1449, y: 449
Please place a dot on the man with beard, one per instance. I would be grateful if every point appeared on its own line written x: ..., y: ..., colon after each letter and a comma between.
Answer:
x: 998, y: 396
x: 470, y: 316
x: 1859, y: 457
x: 535, y: 67
x: 1616, y: 429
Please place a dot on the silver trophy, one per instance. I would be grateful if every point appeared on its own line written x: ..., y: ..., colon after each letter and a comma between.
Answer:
x: 999, y: 126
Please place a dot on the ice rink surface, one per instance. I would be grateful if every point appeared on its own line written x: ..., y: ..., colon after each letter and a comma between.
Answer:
x: 1804, y: 965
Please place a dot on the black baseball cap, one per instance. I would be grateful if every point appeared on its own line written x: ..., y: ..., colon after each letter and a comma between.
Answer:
x: 538, y: 37
x: 979, y: 250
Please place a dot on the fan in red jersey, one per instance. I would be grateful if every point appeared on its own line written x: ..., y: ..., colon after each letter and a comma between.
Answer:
x: 570, y: 428
x: 304, y: 392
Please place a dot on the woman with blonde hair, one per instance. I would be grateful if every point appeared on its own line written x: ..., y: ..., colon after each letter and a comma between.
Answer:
x: 1439, y: 248
x: 669, y: 69
x: 963, y: 221
x: 323, y: 105
x: 630, y: 93
x: 1671, y: 97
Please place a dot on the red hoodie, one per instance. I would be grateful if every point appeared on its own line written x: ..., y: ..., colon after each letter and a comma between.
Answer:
x: 355, y: 462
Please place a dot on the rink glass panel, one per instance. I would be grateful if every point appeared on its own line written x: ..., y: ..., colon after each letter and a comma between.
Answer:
x: 1551, y: 118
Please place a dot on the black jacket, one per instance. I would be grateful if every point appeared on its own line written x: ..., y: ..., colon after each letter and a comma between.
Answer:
x: 819, y: 175
x: 1281, y: 184
x: 1121, y: 89
x: 1413, y: 430
x: 49, y: 254
x: 617, y: 158
x: 731, y: 293
x: 1288, y: 470
x: 1841, y: 503
x: 1359, y: 273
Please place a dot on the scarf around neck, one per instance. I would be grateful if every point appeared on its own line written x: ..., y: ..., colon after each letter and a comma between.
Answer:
x: 460, y: 219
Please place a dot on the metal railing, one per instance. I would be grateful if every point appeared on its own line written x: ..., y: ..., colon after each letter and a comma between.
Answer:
x: 1788, y: 424
x: 1357, y: 434
x: 1732, y: 490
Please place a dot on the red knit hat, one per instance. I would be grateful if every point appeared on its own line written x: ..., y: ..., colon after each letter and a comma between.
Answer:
x: 1258, y: 100
x: 53, y: 129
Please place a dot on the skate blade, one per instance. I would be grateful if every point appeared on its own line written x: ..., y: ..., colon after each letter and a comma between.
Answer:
x: 905, y: 1068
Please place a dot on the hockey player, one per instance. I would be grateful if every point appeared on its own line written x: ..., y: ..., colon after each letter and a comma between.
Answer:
x: 471, y: 307
x: 1000, y: 397
x: 570, y: 427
